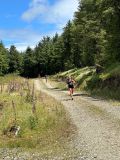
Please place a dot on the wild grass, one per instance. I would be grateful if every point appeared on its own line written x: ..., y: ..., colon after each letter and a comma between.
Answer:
x: 46, y: 128
x: 58, y: 83
x: 107, y: 93
x: 106, y: 84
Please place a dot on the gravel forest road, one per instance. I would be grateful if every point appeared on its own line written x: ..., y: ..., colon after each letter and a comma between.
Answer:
x: 97, y: 122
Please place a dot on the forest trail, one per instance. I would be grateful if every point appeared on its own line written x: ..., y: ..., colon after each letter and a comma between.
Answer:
x: 97, y: 122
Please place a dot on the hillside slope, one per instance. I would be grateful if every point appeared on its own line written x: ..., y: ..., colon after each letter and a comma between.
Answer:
x: 105, y: 83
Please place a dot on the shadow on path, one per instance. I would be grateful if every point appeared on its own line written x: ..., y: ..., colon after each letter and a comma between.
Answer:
x: 81, y: 94
x: 67, y: 99
x: 88, y: 96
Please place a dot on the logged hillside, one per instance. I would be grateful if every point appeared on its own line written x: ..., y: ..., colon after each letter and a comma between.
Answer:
x: 105, y: 84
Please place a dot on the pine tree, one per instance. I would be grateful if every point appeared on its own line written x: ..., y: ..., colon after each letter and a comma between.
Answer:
x: 3, y: 60
x: 15, y: 60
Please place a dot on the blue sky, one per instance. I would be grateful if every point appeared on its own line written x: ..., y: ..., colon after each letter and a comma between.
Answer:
x: 24, y: 22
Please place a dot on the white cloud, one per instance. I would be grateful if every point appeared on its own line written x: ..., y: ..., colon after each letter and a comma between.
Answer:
x: 36, y: 7
x: 19, y: 34
x: 22, y: 38
x: 58, y: 13
x: 22, y: 46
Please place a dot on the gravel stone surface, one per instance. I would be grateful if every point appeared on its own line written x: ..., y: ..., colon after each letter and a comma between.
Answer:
x: 97, y: 122
x: 98, y: 129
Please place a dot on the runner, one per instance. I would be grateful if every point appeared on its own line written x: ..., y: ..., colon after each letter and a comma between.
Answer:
x: 71, y: 82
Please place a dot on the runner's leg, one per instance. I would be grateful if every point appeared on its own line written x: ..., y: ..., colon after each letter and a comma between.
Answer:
x: 71, y: 92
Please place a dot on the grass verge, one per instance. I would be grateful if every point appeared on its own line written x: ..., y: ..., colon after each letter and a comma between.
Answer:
x: 47, y: 128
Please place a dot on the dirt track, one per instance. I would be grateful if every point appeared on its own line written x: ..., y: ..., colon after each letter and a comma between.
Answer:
x: 97, y: 122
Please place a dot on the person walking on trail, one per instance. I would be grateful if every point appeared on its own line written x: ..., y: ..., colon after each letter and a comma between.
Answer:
x: 46, y: 78
x: 71, y: 82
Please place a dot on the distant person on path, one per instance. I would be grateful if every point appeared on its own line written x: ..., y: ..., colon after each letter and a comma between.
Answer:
x: 46, y: 78
x: 70, y: 83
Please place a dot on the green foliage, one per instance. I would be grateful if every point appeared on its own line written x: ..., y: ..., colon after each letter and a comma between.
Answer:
x: 15, y: 60
x: 29, y: 63
x: 32, y: 120
x: 3, y: 60
x: 94, y: 82
x: 92, y: 37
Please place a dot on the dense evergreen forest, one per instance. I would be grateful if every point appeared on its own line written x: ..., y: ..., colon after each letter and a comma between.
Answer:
x: 92, y: 37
